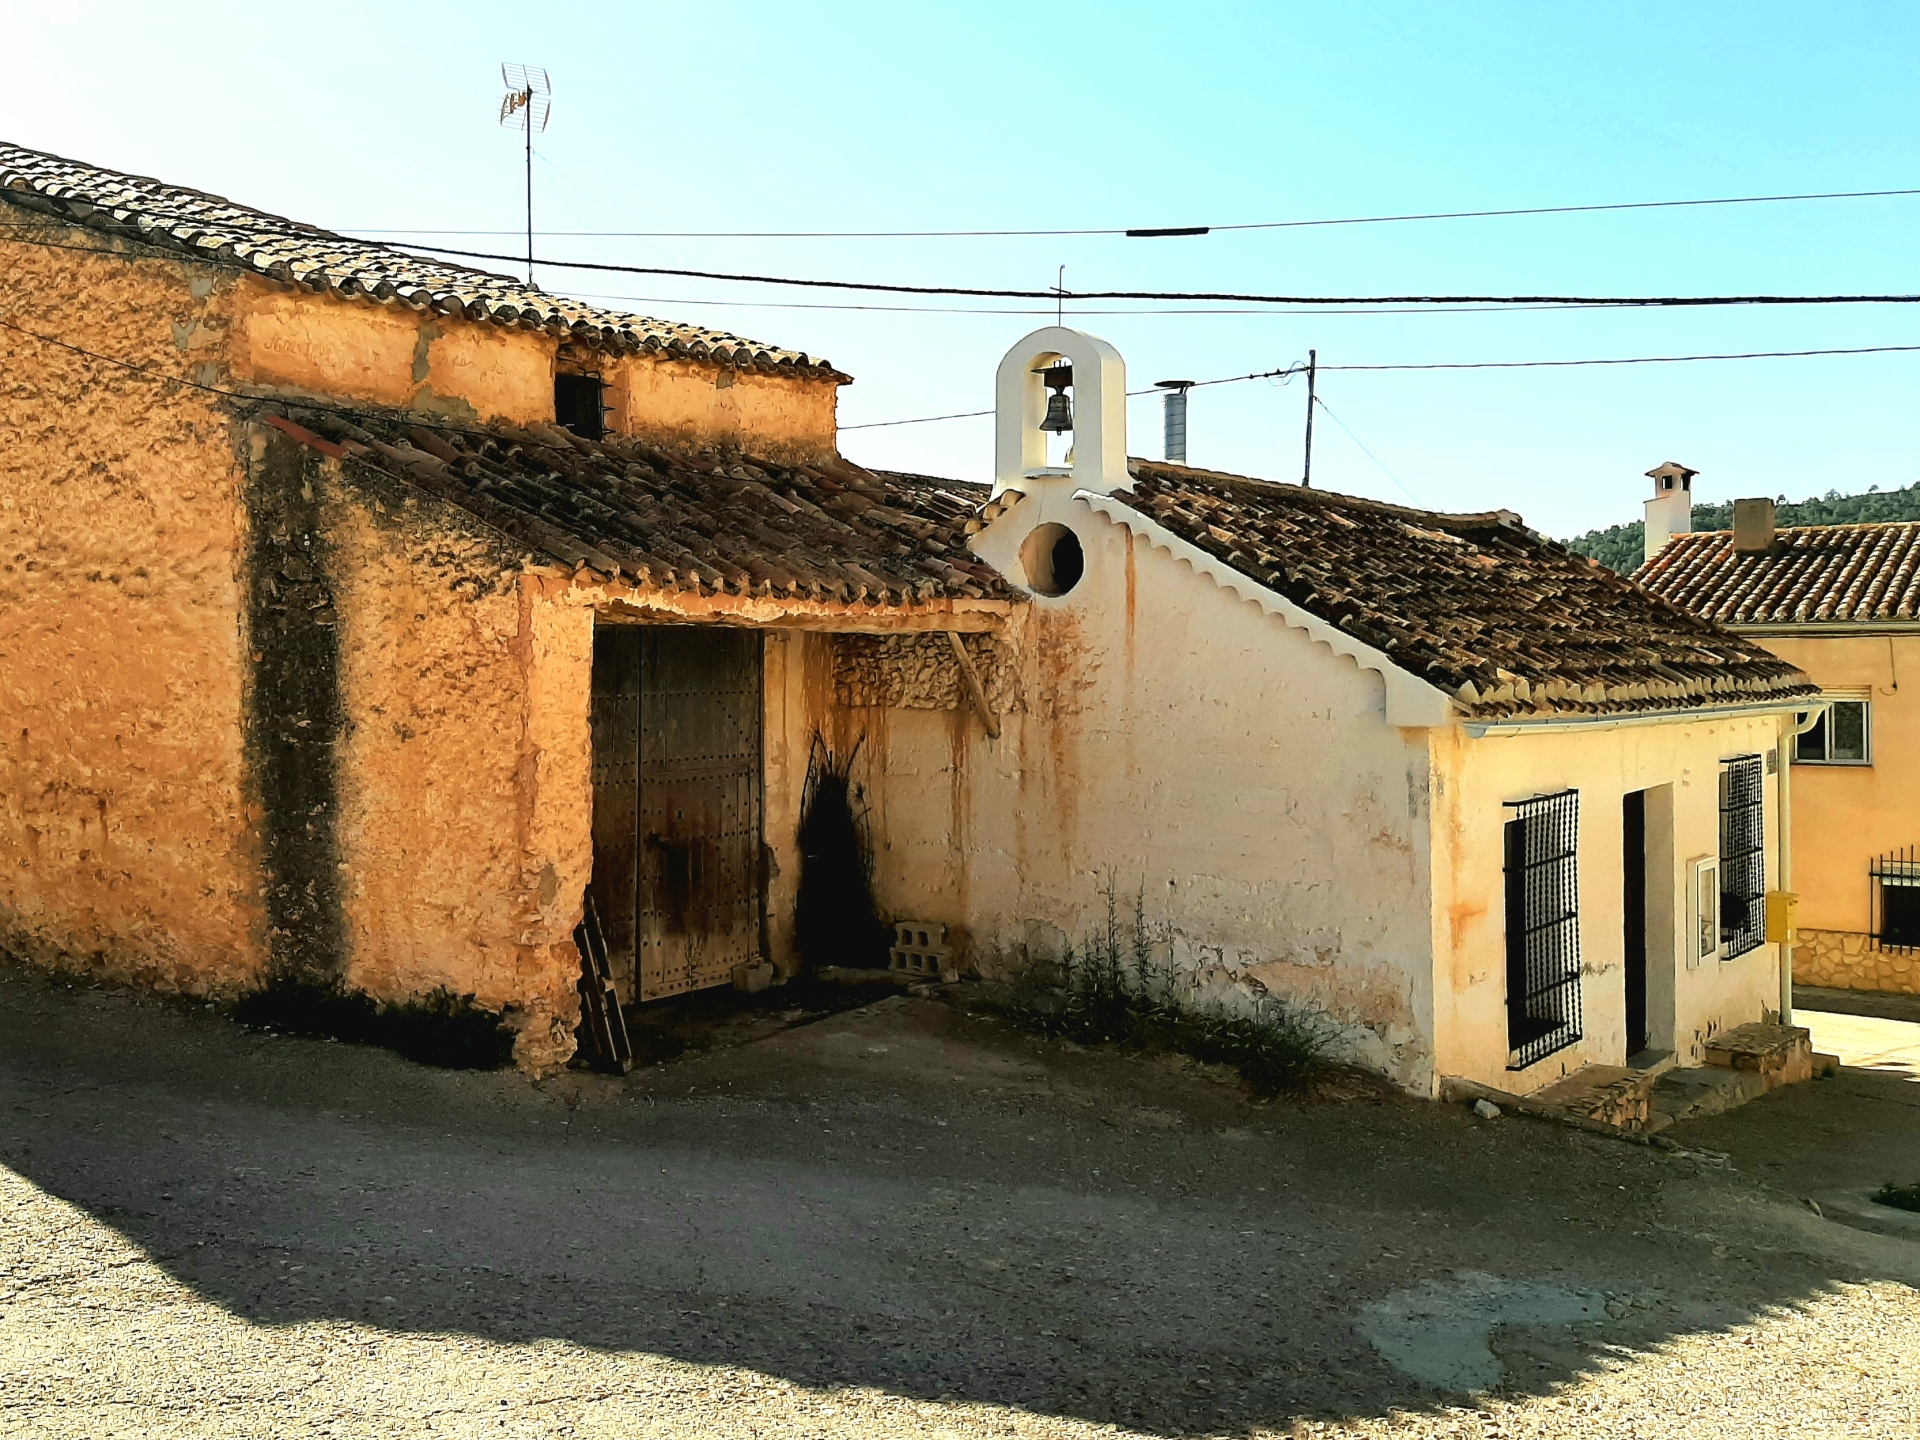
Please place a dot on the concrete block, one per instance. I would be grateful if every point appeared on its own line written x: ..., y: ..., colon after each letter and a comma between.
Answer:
x: 753, y: 978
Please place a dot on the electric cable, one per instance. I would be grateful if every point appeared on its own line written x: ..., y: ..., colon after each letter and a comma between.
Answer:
x: 1150, y: 232
x: 1287, y: 371
x: 1061, y: 295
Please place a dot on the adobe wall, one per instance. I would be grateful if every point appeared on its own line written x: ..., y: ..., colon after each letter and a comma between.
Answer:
x: 1687, y: 1004
x: 330, y: 345
x: 464, y: 765
x: 1845, y: 815
x: 127, y: 849
x: 1177, y: 743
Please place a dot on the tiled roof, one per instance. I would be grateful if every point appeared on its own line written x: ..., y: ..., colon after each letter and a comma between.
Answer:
x: 211, y: 227
x: 1499, y: 618
x: 831, y: 532
x: 1814, y: 574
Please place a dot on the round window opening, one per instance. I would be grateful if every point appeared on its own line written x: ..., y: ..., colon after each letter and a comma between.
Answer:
x: 1053, y: 560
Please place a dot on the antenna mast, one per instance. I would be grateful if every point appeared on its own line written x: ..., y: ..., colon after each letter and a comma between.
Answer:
x: 527, y: 105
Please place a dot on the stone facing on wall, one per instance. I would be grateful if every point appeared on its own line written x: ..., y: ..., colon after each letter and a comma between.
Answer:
x: 919, y: 672
x: 1848, y: 960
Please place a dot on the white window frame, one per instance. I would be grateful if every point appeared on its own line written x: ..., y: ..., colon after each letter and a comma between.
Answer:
x: 1703, y: 911
x: 1865, y: 702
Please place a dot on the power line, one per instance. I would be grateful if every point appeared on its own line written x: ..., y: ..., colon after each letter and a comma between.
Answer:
x: 1058, y: 295
x: 1287, y: 371
x: 1148, y: 232
x: 1227, y: 296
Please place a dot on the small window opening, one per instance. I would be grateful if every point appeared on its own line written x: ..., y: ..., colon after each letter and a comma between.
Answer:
x: 1743, y: 860
x: 1543, y: 926
x: 579, y: 405
x: 1838, y: 737
x: 1895, y: 878
x: 1053, y: 560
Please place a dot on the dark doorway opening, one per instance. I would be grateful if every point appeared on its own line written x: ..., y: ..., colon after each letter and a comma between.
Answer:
x: 676, y: 717
x: 1633, y: 913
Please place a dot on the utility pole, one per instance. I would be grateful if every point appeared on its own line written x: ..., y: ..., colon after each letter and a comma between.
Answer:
x: 1313, y: 364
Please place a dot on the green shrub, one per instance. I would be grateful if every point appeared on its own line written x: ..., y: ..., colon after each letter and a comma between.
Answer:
x: 1114, y: 988
x: 1900, y: 1197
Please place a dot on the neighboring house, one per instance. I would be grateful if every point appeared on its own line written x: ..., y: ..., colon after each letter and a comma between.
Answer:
x: 328, y: 654
x: 1842, y: 602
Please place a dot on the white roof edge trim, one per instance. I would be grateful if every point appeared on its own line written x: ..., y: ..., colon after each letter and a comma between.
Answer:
x: 1480, y: 729
x: 1412, y: 703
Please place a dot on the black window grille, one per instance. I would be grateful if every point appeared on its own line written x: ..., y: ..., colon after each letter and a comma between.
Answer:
x: 1543, y: 926
x: 1743, y: 856
x: 579, y: 405
x: 1895, y: 878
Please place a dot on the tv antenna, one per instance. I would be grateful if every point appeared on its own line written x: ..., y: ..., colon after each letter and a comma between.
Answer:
x: 527, y: 105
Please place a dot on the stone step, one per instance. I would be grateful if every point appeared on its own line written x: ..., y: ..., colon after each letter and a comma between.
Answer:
x: 1778, y: 1054
x: 1612, y: 1094
x: 1697, y: 1091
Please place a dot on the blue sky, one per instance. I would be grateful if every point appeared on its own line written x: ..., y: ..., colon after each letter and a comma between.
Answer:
x: 989, y: 115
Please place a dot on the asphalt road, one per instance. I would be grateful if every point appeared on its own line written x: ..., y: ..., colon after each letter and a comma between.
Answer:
x: 896, y: 1221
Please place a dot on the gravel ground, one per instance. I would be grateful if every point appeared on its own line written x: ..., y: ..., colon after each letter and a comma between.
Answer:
x: 902, y: 1220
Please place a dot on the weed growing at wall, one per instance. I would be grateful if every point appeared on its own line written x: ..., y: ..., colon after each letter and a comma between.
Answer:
x: 1119, y: 986
x: 441, y: 1028
x: 1900, y: 1197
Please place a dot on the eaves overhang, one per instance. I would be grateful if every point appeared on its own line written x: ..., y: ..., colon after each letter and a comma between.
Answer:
x: 1480, y: 729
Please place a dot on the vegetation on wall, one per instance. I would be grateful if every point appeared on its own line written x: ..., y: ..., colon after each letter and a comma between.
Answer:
x: 1621, y: 547
x: 1114, y: 988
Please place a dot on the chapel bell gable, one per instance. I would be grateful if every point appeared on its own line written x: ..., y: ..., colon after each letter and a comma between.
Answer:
x: 1054, y: 381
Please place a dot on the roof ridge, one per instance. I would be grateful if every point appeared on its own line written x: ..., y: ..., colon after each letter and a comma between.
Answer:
x: 1336, y: 497
x: 278, y: 248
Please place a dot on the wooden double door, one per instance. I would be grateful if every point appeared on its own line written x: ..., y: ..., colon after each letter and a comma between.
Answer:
x: 677, y: 804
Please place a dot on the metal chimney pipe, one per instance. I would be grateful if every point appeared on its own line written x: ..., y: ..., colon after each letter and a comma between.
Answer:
x: 1176, y: 418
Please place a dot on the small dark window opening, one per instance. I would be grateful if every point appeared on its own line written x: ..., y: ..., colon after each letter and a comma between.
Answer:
x: 579, y: 405
x: 1895, y: 878
x: 1743, y: 859
x: 1543, y: 927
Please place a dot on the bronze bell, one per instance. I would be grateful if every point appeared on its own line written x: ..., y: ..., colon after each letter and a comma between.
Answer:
x: 1059, y: 420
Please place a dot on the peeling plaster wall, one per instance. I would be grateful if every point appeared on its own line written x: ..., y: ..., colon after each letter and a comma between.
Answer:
x: 465, y: 832
x: 1198, y: 751
x: 1471, y: 781
x: 127, y: 848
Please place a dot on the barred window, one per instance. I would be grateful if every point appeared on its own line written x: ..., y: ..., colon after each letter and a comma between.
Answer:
x: 1895, y: 878
x: 1543, y: 926
x: 1743, y: 859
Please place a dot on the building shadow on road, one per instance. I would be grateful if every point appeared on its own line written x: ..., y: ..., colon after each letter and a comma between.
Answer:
x: 904, y: 1198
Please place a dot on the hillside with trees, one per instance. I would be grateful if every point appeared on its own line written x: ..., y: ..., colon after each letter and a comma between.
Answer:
x: 1619, y: 547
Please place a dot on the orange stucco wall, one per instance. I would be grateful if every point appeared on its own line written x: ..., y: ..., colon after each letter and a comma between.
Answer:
x: 1843, y: 815
x: 126, y: 847
x: 464, y: 800
x: 392, y: 355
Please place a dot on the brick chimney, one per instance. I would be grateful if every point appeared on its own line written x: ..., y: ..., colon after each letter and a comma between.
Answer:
x: 1670, y: 511
x: 1753, y: 526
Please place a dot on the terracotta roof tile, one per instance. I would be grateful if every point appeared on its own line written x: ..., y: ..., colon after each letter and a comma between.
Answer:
x: 193, y: 222
x: 833, y: 532
x: 1814, y: 574
x: 1502, y: 619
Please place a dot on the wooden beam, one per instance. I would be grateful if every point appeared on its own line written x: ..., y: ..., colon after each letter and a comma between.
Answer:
x: 974, y: 687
